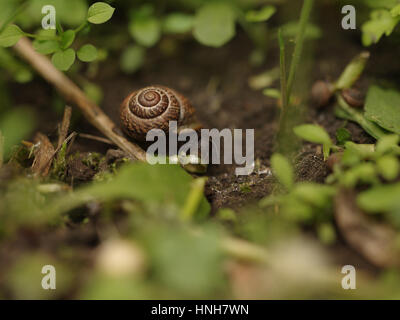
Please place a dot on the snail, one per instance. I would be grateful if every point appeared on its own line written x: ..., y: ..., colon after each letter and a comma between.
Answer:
x: 355, y: 98
x: 154, y: 107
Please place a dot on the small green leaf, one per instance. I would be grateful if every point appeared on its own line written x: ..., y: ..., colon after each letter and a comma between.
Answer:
x: 10, y: 36
x: 46, y: 46
x: 381, y: 22
x: 178, y: 23
x: 146, y: 31
x: 342, y: 136
x: 132, y: 59
x: 363, y: 151
x: 388, y: 143
x: 364, y: 172
x: 87, y: 53
x: 100, y: 12
x: 388, y: 166
x: 315, y: 194
x: 353, y: 71
x: 15, y: 125
x: 67, y: 38
x: 263, y: 14
x: 395, y: 11
x: 316, y: 134
x: 383, y: 107
x: 283, y: 170
x: 63, y: 60
x: 214, y: 24
x: 380, y: 199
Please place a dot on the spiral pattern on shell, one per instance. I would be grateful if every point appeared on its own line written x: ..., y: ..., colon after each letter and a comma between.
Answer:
x: 152, y: 108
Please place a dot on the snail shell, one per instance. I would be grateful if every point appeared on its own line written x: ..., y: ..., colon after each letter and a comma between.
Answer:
x: 153, y: 108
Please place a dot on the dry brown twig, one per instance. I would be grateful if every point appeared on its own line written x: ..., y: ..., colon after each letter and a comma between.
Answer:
x: 64, y: 127
x: 72, y: 93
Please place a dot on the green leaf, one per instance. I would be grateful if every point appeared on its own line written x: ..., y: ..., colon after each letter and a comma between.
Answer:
x: 388, y: 167
x: 380, y: 199
x: 178, y: 23
x: 342, y: 136
x: 15, y: 125
x: 316, y: 134
x: 214, y: 24
x: 67, y: 38
x: 132, y: 59
x: 263, y: 14
x: 46, y: 46
x: 152, y: 185
x: 363, y: 151
x: 283, y: 170
x: 63, y: 60
x: 352, y: 72
x: 10, y: 36
x: 87, y: 53
x: 383, y: 107
x: 364, y: 172
x: 315, y: 194
x: 381, y: 22
x: 146, y: 31
x: 100, y: 12
x: 395, y: 11
x: 388, y: 143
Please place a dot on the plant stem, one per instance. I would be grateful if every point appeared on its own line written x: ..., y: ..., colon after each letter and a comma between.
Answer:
x: 283, y: 71
x: 75, y: 95
x: 353, y: 115
x: 304, y: 19
x: 193, y: 199
x: 80, y: 28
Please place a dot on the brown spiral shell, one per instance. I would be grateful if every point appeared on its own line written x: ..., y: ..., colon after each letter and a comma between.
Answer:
x: 152, y: 108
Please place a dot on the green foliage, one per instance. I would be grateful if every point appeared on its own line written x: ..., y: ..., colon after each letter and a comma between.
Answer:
x: 16, y: 125
x: 58, y: 42
x: 342, y: 136
x: 283, y: 170
x: 214, y: 24
x: 315, y: 134
x: 26, y: 277
x: 352, y: 72
x: 99, y: 13
x: 186, y: 263
x: 10, y: 36
x: 144, y: 27
x: 132, y: 58
x: 87, y: 53
x: 382, y: 22
x: 178, y: 23
x: 383, y: 107
x: 263, y: 14
x: 383, y: 198
x: 63, y: 60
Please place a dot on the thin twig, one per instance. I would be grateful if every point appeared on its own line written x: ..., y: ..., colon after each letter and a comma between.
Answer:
x: 64, y: 127
x: 96, y: 138
x: 75, y: 95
